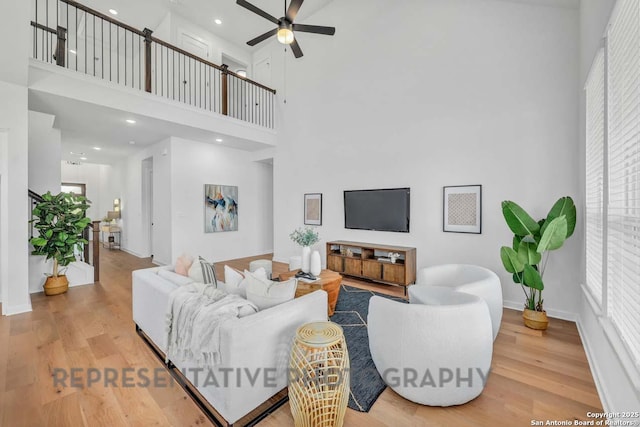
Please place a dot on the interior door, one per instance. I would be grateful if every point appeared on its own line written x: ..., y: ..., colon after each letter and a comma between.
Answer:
x: 194, y: 85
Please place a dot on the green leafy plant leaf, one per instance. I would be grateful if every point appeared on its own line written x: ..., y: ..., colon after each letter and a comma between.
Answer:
x: 518, y: 220
x: 532, y: 278
x: 554, y: 235
x: 528, y: 254
x: 510, y: 260
x: 564, y: 206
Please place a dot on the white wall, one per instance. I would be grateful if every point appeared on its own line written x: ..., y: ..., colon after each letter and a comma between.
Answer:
x: 44, y: 153
x: 179, y: 24
x: 14, y: 249
x: 134, y: 238
x: 195, y: 164
x: 605, y: 353
x: 463, y: 92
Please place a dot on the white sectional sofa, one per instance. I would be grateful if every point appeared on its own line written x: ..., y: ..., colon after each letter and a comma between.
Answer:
x: 254, y: 349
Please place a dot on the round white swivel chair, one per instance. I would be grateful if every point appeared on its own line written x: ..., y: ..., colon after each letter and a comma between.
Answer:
x: 471, y: 279
x: 435, y: 351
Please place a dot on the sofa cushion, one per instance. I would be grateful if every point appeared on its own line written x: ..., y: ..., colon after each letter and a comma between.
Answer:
x: 174, y: 277
x: 236, y: 282
x: 265, y: 293
x: 202, y: 271
x: 183, y: 264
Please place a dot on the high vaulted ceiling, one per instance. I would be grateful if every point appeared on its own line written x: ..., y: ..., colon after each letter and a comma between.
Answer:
x: 238, y: 24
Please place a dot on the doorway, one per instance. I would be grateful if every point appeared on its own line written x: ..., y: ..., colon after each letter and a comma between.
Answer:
x: 147, y: 206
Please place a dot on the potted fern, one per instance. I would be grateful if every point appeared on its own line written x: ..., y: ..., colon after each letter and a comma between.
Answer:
x: 60, y: 221
x: 527, y: 258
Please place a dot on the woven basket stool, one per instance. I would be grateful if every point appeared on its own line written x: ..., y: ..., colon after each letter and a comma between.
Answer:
x: 319, y: 375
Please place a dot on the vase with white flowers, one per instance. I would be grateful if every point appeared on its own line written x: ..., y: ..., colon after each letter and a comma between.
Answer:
x: 305, y: 237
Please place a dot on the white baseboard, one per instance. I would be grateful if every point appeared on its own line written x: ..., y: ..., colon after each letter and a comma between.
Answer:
x: 556, y: 314
x: 17, y: 309
x: 129, y: 251
x: 594, y: 367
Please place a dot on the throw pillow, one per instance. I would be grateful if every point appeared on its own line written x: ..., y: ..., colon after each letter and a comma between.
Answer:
x: 202, y: 271
x: 264, y: 293
x: 175, y: 278
x: 183, y: 264
x: 236, y: 282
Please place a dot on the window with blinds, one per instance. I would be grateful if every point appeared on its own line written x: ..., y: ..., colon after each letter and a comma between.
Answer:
x: 623, y: 211
x: 594, y: 168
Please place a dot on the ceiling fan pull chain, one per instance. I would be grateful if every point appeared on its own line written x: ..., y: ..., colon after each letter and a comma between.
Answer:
x: 284, y: 58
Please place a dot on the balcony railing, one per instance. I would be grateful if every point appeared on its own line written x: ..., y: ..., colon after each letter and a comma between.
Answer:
x: 78, y: 38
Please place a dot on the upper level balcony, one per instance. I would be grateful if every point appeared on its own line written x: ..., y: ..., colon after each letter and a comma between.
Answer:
x: 74, y: 37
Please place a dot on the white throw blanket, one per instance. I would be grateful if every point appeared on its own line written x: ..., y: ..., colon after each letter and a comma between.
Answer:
x: 194, y: 315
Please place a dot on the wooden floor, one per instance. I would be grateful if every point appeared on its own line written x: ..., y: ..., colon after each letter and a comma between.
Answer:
x: 535, y: 376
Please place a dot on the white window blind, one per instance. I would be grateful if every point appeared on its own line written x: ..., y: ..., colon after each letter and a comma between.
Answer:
x: 623, y: 225
x: 594, y: 206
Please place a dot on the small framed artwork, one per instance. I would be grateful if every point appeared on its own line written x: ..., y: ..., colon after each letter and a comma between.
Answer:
x: 313, y: 209
x: 462, y: 206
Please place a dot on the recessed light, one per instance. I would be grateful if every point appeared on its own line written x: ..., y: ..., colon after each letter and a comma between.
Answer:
x: 113, y: 11
x: 218, y: 21
x: 83, y: 158
x: 130, y: 121
x: 72, y: 51
x: 132, y: 142
x: 218, y: 139
x: 97, y: 148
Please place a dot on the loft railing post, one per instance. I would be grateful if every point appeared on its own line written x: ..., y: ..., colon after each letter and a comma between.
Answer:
x: 147, y: 59
x: 61, y: 50
x: 96, y: 251
x: 225, y: 89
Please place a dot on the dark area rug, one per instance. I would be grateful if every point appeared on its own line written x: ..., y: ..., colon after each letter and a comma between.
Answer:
x: 351, y: 313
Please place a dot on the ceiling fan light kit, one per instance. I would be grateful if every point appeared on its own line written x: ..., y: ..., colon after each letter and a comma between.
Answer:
x: 285, y: 35
x: 285, y: 32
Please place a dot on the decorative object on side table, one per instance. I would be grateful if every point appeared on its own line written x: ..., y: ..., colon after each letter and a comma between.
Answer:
x: 220, y: 208
x: 313, y: 209
x: 306, y: 238
x: 526, y: 258
x: 393, y: 256
x: 319, y: 375
x: 462, y: 209
x: 315, y: 266
x: 60, y: 221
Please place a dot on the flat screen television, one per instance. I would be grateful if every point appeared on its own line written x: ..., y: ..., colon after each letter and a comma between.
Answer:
x: 380, y: 210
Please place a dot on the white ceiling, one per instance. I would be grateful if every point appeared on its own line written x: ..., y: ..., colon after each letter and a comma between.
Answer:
x: 238, y: 24
x: 84, y: 126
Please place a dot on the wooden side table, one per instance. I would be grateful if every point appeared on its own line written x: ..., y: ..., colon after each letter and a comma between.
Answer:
x: 328, y: 281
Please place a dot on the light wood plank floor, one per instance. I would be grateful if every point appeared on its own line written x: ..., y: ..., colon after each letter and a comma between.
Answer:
x: 534, y: 375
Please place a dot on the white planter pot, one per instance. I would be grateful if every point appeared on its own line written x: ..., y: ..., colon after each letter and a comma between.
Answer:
x: 306, y: 255
x: 316, y: 266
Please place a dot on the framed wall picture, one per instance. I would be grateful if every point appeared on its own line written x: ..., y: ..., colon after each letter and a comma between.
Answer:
x: 313, y: 209
x: 220, y: 208
x: 462, y: 209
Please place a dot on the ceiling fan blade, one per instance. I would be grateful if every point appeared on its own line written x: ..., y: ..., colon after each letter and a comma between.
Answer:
x: 295, y: 48
x: 257, y: 11
x: 262, y: 37
x: 294, y: 7
x: 329, y: 31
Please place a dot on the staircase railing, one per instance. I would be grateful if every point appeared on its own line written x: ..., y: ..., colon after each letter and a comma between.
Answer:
x: 90, y: 251
x: 74, y: 36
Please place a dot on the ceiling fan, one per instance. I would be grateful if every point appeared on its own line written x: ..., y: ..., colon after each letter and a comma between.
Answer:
x: 286, y: 26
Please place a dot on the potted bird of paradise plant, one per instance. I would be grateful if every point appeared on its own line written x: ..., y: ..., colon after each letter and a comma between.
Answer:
x: 528, y: 255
